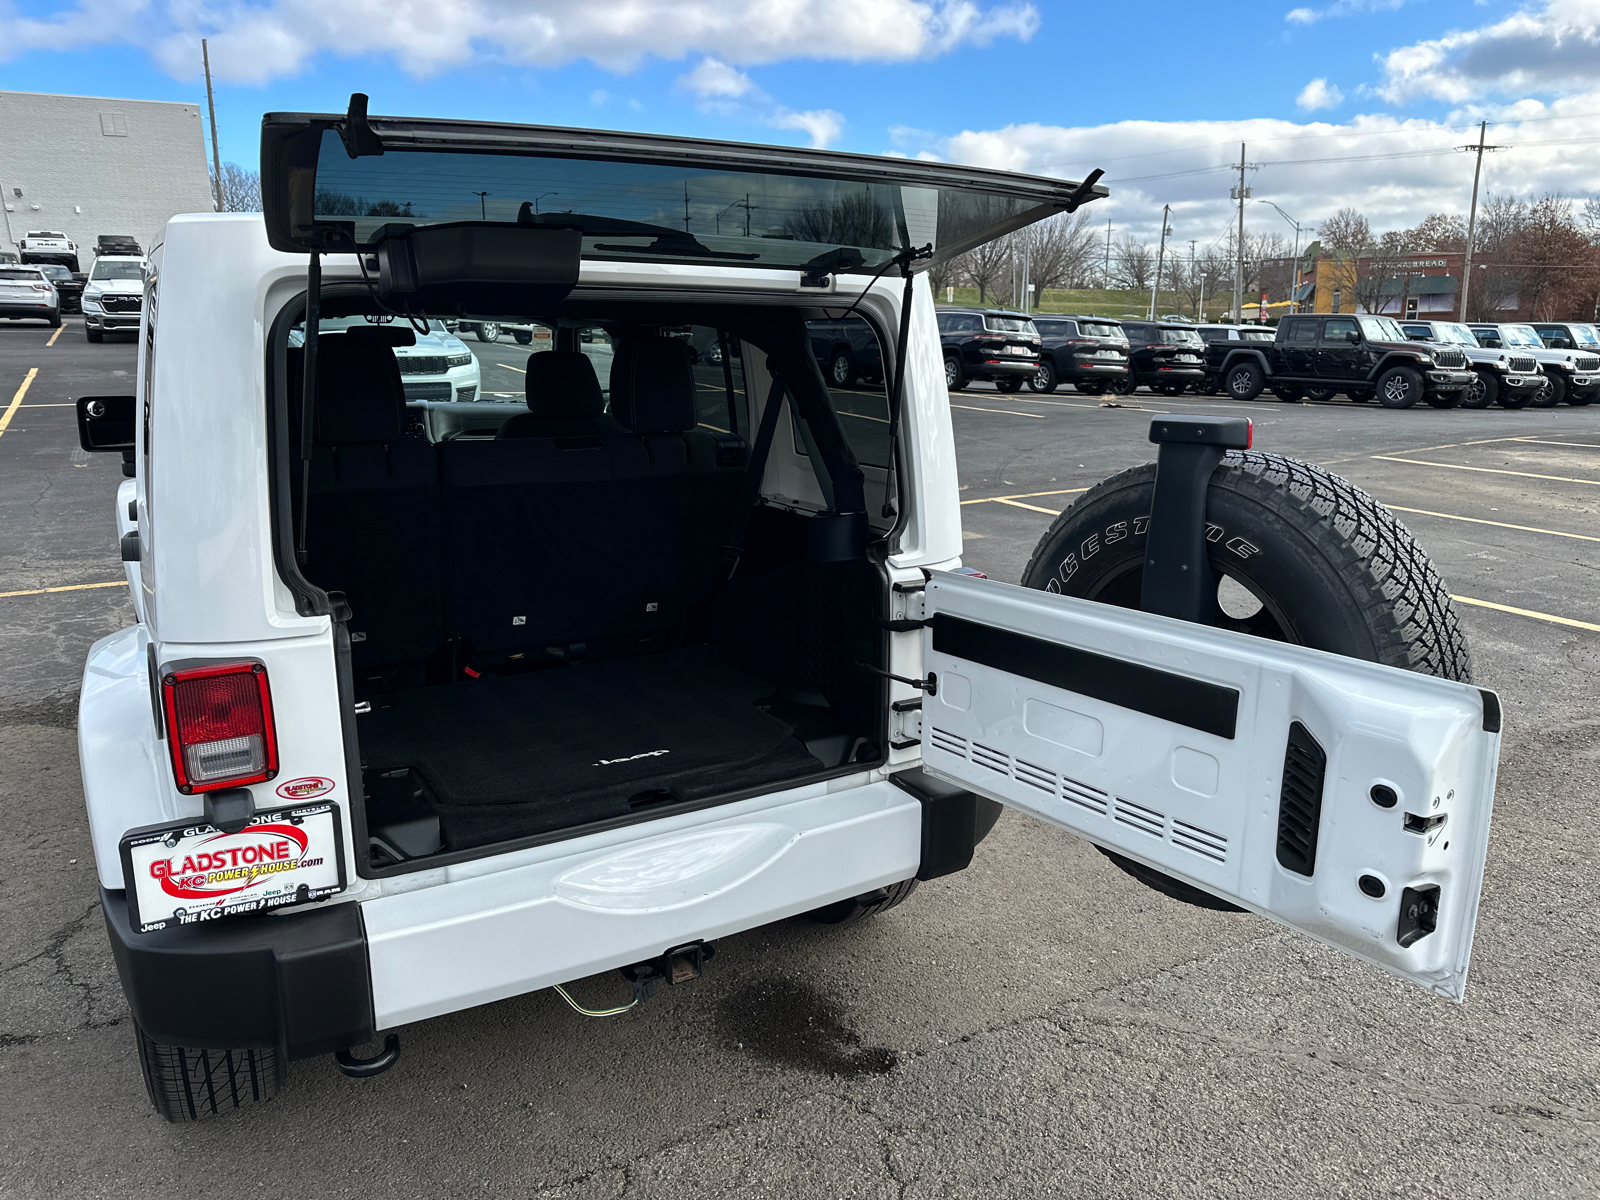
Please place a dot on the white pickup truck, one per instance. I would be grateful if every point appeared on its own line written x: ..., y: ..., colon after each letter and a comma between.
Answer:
x: 409, y: 723
x: 49, y: 246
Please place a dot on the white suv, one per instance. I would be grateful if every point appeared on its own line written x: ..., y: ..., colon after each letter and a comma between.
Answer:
x: 408, y: 724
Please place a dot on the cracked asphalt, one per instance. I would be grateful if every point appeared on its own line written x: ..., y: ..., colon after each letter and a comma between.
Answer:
x: 1039, y: 1025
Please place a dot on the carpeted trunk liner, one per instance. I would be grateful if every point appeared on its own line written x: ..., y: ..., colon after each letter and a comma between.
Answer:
x: 526, y: 754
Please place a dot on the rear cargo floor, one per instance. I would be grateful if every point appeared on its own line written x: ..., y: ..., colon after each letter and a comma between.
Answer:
x: 512, y: 757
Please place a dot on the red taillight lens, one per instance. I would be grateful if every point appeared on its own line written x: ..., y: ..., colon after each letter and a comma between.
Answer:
x: 219, y: 724
x: 1249, y: 433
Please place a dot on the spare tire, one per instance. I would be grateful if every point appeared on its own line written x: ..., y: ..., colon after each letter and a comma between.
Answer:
x: 1301, y: 556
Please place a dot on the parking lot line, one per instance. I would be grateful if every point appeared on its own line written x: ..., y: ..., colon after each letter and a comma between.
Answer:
x: 1417, y: 462
x: 16, y: 401
x: 1527, y: 612
x: 1548, y: 442
x: 1049, y: 512
x: 1500, y: 524
x: 54, y: 336
x: 1003, y: 411
x: 71, y: 587
x: 1025, y: 496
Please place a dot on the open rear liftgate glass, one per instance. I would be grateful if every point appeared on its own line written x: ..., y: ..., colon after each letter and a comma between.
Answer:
x: 1345, y: 799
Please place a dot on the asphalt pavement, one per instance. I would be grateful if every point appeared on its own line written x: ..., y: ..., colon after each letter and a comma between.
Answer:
x: 1039, y: 1025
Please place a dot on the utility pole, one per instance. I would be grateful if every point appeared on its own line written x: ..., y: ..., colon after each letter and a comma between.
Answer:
x: 1472, y: 219
x: 211, y: 103
x: 1241, y: 194
x: 1105, y: 276
x: 1192, y: 277
x: 1161, y: 254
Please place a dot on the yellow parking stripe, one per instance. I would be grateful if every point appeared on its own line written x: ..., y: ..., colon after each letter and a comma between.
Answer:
x: 1002, y: 411
x: 1025, y: 496
x: 71, y: 587
x: 1417, y: 462
x: 54, y: 336
x: 1584, y: 537
x: 1049, y: 512
x: 1527, y: 612
x: 16, y: 401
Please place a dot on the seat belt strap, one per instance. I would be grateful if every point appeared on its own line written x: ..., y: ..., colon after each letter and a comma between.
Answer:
x: 733, y: 543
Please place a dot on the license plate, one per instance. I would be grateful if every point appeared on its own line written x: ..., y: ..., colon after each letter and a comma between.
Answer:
x: 189, y: 873
x: 1018, y: 350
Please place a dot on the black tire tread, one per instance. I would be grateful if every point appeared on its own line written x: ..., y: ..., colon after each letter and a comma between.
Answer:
x: 189, y: 1085
x: 1403, y: 600
x: 859, y: 908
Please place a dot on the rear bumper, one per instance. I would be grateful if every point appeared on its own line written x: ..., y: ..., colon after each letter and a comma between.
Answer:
x: 39, y: 311
x: 298, y: 982
x: 1094, y: 370
x: 1001, y: 368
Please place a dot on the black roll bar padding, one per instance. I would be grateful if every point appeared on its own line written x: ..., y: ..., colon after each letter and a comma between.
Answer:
x: 1178, y: 581
x: 791, y: 350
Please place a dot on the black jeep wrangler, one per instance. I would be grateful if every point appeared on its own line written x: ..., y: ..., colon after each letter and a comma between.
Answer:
x: 1362, y: 356
x: 1090, y: 353
x: 988, y: 343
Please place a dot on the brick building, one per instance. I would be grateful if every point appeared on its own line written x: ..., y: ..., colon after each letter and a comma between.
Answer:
x: 86, y: 165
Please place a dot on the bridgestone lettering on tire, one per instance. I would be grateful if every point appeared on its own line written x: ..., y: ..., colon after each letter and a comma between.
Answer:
x: 1327, y: 566
x: 188, y: 1085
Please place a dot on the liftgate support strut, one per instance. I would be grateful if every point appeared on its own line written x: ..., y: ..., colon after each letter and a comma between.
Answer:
x: 1178, y: 581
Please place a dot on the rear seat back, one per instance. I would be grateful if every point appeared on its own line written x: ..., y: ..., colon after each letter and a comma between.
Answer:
x: 564, y: 399
x: 557, y: 541
x: 373, y: 528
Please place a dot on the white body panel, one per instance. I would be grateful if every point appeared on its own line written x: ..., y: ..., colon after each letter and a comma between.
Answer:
x: 1204, y: 807
x: 503, y: 926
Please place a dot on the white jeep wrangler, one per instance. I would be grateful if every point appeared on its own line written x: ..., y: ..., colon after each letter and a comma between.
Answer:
x: 412, y: 722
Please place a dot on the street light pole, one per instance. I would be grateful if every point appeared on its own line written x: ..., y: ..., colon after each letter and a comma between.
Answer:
x: 1293, y: 302
x: 1161, y: 255
x: 211, y: 104
x: 482, y: 211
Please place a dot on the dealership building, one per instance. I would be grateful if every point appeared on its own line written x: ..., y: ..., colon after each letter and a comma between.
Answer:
x: 87, y: 165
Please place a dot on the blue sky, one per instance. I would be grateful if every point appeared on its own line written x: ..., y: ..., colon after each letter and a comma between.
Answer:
x: 1044, y: 87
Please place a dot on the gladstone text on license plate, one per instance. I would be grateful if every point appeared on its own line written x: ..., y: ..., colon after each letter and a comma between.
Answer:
x: 191, y: 873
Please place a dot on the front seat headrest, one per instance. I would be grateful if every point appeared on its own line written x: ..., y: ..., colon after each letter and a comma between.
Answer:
x: 562, y: 383
x: 652, y: 385
x: 359, y: 394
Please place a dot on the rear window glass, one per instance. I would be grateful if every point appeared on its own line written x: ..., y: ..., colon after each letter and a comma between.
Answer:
x: 1304, y: 333
x: 29, y: 276
x: 1010, y: 325
x: 1181, y: 337
x: 1098, y: 329
x: 1053, y: 328
x: 1258, y: 335
x: 852, y: 364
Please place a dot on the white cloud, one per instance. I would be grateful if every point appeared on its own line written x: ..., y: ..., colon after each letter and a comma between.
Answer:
x: 1339, y: 8
x: 1318, y: 94
x: 822, y: 125
x: 598, y: 97
x: 1549, y: 48
x: 1185, y: 163
x: 714, y: 78
x: 255, y: 43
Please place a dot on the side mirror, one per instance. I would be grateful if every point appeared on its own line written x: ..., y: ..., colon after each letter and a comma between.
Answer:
x: 106, y: 423
x: 1353, y: 337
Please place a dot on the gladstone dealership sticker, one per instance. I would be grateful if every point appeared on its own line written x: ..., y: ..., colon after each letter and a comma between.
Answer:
x: 305, y: 787
x: 188, y: 874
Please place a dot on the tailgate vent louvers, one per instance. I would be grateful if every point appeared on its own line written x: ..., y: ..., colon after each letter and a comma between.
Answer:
x: 1035, y: 776
x: 993, y: 759
x: 1300, y: 801
x: 1137, y: 816
x: 1085, y: 796
x: 950, y: 743
x: 1201, y: 841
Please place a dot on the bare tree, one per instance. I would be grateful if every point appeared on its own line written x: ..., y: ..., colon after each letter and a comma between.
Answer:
x: 1494, y: 279
x: 1059, y: 250
x: 1345, y: 237
x: 1439, y: 233
x: 241, y: 189
x: 1548, y: 247
x: 952, y: 272
x: 1589, y: 220
x: 1135, y: 263
x: 987, y: 265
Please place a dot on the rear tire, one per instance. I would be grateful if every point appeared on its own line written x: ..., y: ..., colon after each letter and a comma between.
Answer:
x: 859, y: 908
x: 1008, y: 384
x: 1288, y: 395
x: 1044, y: 379
x: 1444, y: 399
x: 1321, y: 394
x: 1328, y: 566
x: 954, y: 377
x: 190, y: 1085
x: 94, y: 335
x: 488, y: 331
x: 524, y: 336
x: 841, y: 369
x: 1095, y: 387
x: 1399, y: 387
x: 1244, y: 381
x: 1484, y: 390
x: 54, y: 319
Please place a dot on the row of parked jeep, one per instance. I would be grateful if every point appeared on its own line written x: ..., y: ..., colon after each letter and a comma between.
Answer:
x: 1311, y: 356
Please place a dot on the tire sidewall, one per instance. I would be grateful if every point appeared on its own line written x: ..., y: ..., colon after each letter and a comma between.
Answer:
x: 1399, y: 387
x: 1044, y: 380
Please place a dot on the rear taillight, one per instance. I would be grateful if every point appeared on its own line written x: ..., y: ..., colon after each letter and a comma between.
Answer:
x: 219, y: 724
x: 41, y: 287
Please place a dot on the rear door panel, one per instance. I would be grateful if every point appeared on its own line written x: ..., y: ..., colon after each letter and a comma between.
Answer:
x: 1172, y: 743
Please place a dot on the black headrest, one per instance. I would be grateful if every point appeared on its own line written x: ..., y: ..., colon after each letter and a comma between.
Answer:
x: 562, y: 383
x: 652, y: 385
x: 359, y: 394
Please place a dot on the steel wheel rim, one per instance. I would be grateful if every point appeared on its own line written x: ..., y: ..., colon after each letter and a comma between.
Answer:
x: 841, y: 370
x: 1396, y: 388
x: 950, y: 372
